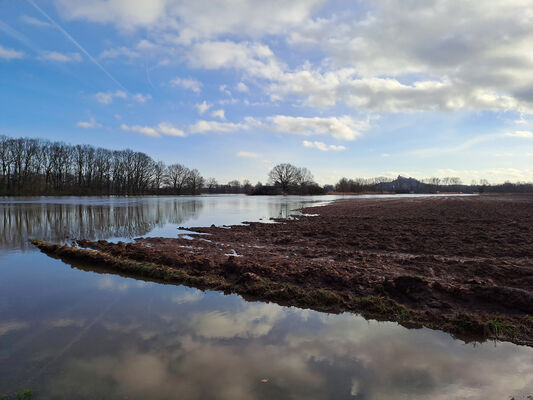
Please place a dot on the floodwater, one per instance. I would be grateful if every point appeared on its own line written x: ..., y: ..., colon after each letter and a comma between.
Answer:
x: 68, y: 333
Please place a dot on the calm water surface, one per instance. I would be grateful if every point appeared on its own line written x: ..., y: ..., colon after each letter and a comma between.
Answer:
x: 66, y: 333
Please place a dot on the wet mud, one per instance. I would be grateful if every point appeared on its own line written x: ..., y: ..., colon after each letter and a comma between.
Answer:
x: 459, y: 264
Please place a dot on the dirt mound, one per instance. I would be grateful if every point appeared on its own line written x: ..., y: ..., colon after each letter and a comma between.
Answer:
x: 463, y: 264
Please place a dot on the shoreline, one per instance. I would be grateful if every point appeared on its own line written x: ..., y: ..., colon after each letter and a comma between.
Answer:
x: 461, y: 265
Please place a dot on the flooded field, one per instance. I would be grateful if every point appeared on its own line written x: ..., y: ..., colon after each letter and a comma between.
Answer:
x: 69, y: 333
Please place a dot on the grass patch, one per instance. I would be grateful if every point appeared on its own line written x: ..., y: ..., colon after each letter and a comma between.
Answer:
x: 500, y: 328
x: 26, y: 394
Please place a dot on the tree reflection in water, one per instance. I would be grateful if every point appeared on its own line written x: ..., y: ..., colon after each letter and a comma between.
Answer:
x: 58, y: 222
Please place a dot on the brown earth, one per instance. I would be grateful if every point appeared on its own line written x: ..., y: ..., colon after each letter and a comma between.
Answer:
x: 460, y: 264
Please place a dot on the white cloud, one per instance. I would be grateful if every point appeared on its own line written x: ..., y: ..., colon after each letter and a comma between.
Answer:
x: 187, y: 83
x: 141, y: 98
x: 218, y: 114
x: 435, y: 55
x: 479, y: 60
x: 119, y: 52
x: 107, y: 97
x: 203, y: 107
x: 520, y: 134
x: 241, y: 87
x: 255, y: 321
x: 164, y: 128
x: 62, y: 57
x: 493, y: 175
x: 91, y: 124
x: 345, y: 127
x: 255, y: 59
x: 143, y: 130
x: 10, y: 54
x: 187, y: 296
x: 146, y: 45
x: 35, y: 21
x: 322, y: 146
x: 203, y: 126
x: 186, y: 21
x: 247, y: 154
x: 168, y: 129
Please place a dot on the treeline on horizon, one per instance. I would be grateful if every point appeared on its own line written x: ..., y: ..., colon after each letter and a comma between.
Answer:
x: 41, y: 167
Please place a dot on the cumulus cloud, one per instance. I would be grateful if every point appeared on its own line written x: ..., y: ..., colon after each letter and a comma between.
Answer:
x: 218, y: 114
x: 224, y: 89
x: 164, y: 128
x: 255, y: 59
x: 449, y: 55
x: 247, y: 154
x: 520, y: 134
x: 237, y: 324
x: 187, y: 83
x: 204, y: 126
x: 345, y: 128
x: 143, y: 130
x: 61, y: 57
x: 146, y: 45
x: 108, y: 97
x: 241, y: 87
x: 185, y: 21
x: 141, y: 98
x: 203, y: 107
x: 322, y: 146
x: 187, y: 296
x: 91, y: 124
x: 466, y: 61
x: 168, y: 129
x: 10, y: 54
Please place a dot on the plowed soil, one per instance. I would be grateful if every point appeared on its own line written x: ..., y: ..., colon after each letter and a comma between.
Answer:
x: 447, y: 261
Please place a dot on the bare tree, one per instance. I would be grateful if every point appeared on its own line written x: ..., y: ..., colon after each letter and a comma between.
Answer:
x: 305, y: 177
x: 284, y: 175
x: 195, y: 182
x: 159, y: 174
x: 32, y: 166
x: 211, y: 184
x: 178, y: 176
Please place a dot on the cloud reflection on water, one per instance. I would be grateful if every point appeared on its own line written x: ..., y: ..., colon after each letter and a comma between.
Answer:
x: 223, y: 347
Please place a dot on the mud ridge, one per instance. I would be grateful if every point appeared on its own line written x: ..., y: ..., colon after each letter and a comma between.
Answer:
x: 459, y: 264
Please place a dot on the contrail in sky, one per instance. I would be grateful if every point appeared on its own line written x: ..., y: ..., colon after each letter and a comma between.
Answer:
x: 79, y: 46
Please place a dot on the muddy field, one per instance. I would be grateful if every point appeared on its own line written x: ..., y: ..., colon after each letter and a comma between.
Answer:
x: 460, y: 264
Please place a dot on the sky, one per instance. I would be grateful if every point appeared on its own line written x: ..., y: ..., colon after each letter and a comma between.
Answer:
x: 348, y: 88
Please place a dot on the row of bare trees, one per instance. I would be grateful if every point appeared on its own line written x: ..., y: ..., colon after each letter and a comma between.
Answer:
x: 35, y: 166
x: 429, y: 185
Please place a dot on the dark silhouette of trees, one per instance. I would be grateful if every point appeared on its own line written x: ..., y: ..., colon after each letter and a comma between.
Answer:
x: 289, y: 179
x: 177, y: 176
x: 41, y: 167
x: 429, y: 185
x: 35, y: 167
x: 284, y: 175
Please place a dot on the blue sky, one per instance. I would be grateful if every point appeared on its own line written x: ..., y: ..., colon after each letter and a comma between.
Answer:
x: 344, y: 88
